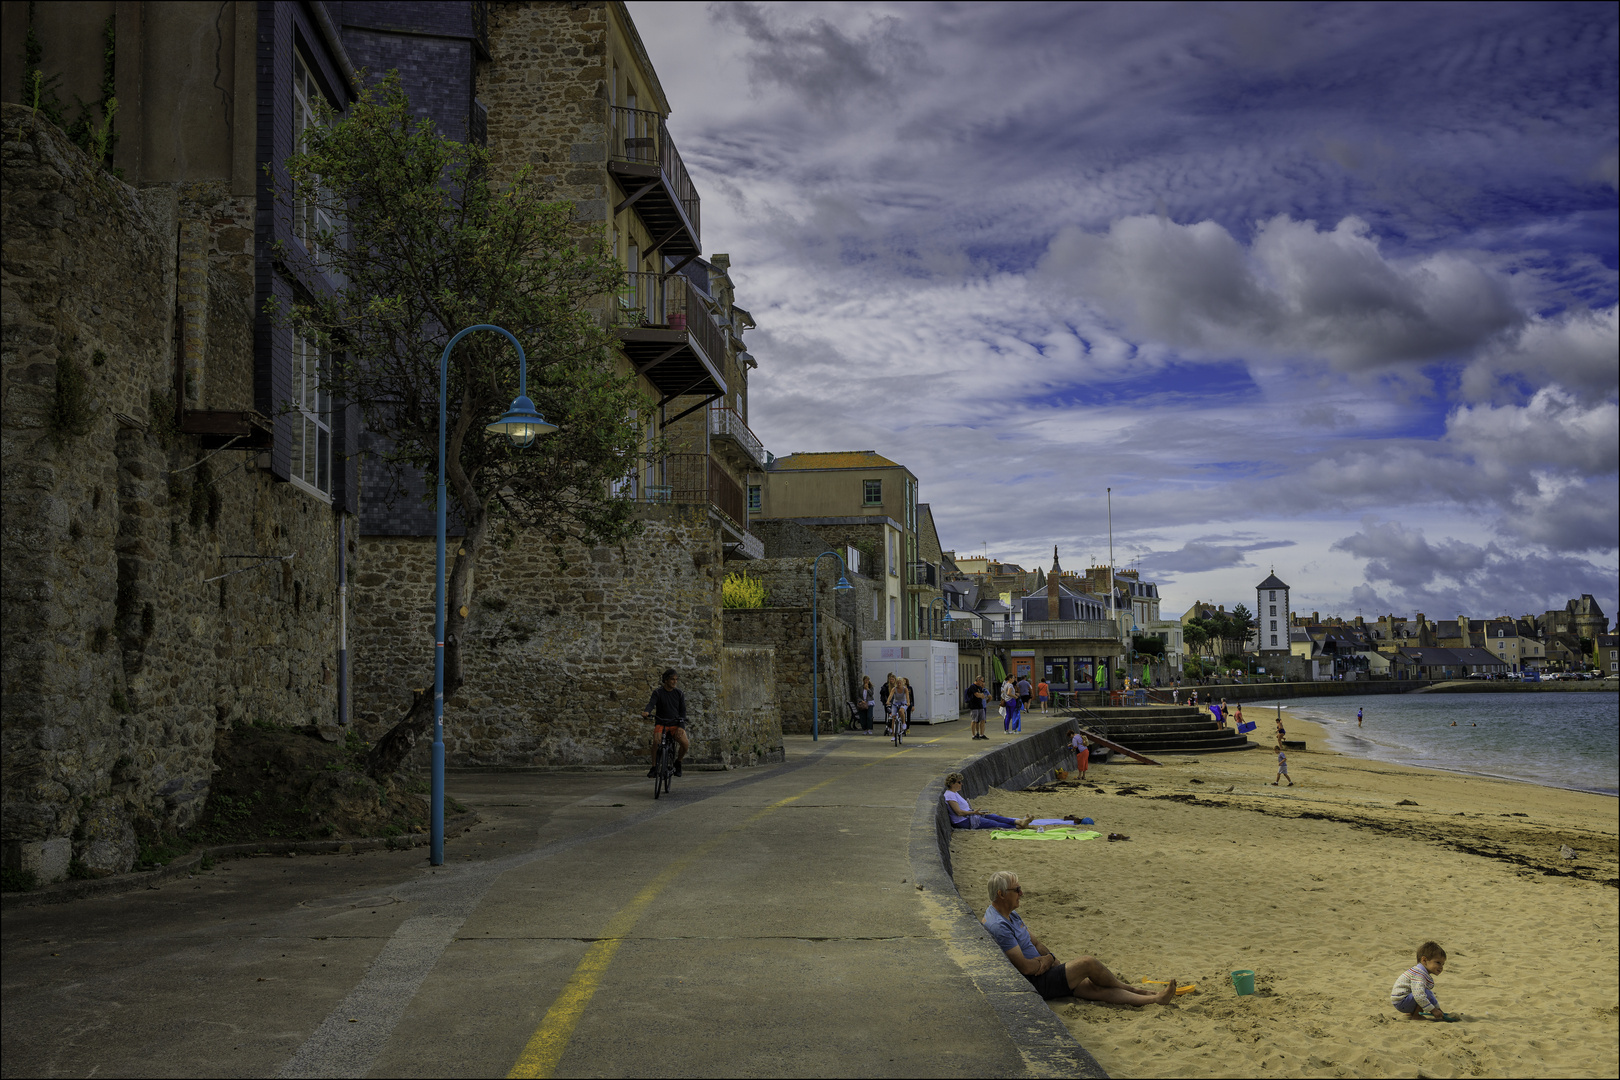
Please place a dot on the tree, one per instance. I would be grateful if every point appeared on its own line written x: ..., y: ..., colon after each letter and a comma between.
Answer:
x: 1242, y: 625
x: 1195, y: 636
x: 429, y: 246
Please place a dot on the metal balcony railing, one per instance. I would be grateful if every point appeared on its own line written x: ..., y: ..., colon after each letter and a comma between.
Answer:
x: 924, y: 574
x: 967, y: 627
x: 670, y: 302
x: 696, y: 479
x: 724, y: 422
x: 640, y: 136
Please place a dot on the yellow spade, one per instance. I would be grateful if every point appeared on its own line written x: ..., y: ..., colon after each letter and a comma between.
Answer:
x: 1189, y: 988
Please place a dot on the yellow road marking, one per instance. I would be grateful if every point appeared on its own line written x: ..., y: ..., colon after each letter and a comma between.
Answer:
x: 549, y: 1041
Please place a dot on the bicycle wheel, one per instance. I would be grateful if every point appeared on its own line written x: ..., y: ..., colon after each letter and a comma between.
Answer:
x: 661, y: 768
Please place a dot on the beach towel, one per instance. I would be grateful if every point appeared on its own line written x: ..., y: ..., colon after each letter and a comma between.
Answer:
x: 1050, y: 834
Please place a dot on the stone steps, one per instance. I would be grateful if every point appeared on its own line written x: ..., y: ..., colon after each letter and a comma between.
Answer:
x: 1164, y: 729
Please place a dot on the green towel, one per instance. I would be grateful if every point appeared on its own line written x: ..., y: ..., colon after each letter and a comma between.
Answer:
x: 1049, y: 834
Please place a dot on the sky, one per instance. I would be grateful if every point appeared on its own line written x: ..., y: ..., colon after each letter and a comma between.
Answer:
x: 1328, y: 289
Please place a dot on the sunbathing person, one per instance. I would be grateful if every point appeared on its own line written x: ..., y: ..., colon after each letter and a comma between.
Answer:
x: 1082, y: 978
x: 963, y: 816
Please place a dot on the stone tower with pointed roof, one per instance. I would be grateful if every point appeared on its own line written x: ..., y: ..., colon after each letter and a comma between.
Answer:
x: 1271, y: 615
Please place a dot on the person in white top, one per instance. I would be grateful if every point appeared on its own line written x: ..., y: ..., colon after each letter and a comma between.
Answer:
x: 963, y: 816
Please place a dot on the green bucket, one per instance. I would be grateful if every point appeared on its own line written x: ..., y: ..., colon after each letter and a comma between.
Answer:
x: 1243, y: 982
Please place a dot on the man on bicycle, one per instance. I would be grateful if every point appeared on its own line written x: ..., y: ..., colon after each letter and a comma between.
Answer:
x: 667, y: 708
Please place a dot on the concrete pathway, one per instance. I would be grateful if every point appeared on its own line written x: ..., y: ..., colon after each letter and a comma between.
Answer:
x: 764, y: 922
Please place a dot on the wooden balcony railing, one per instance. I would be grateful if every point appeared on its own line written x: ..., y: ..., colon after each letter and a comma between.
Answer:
x: 671, y: 302
x: 641, y: 137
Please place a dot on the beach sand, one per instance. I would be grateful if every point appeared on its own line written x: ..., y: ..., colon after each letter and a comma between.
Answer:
x: 1325, y: 890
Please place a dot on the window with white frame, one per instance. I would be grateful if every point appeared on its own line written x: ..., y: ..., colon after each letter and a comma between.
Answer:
x: 311, y: 419
x: 315, y: 223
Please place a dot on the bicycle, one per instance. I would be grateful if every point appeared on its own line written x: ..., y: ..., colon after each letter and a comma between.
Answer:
x: 664, y: 767
x: 897, y: 724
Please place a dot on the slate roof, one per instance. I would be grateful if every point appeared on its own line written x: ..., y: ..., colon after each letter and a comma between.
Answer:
x: 1272, y: 582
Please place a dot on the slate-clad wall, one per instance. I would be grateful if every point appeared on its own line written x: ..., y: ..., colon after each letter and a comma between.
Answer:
x: 119, y: 658
x: 561, y: 657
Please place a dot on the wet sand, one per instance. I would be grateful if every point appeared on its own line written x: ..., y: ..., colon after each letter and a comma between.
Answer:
x: 1325, y: 890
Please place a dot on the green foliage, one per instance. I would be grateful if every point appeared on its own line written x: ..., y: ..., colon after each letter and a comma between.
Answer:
x: 1147, y: 646
x: 739, y: 589
x: 40, y: 92
x: 70, y: 408
x: 160, y: 850
x: 205, y: 863
x: 432, y: 247
x: 18, y: 880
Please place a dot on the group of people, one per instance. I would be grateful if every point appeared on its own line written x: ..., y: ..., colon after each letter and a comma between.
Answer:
x: 896, y: 699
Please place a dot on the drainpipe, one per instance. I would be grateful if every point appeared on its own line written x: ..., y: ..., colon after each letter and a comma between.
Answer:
x: 343, y: 621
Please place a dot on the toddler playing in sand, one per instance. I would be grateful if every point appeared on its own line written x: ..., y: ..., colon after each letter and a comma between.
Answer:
x: 1413, y: 992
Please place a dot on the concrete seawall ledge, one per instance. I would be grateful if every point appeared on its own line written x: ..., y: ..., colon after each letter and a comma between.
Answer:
x: 1042, y: 1039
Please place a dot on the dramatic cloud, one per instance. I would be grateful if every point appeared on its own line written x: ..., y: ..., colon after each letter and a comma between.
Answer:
x: 1295, y: 291
x: 1406, y: 571
x: 1261, y: 269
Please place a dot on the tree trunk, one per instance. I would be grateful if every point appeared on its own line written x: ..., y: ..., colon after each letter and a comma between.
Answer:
x: 390, y: 751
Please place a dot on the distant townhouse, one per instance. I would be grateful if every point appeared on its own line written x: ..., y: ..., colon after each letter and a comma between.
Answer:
x: 1606, y: 653
x: 862, y: 499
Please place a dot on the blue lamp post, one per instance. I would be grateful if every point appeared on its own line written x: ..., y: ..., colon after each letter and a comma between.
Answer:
x: 520, y: 423
x: 815, y: 639
x: 945, y: 615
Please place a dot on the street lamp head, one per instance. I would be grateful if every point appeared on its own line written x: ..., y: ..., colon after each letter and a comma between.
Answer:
x: 521, y: 423
x: 843, y: 584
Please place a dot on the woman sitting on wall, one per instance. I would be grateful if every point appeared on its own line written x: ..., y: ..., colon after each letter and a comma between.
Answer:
x: 963, y: 816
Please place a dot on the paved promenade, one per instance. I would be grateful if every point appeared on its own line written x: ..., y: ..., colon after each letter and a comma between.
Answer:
x: 764, y: 922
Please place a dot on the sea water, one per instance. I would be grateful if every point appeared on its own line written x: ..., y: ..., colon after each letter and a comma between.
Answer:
x: 1568, y: 740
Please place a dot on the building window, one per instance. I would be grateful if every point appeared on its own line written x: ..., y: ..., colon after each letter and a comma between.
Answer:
x: 894, y: 618
x: 311, y: 221
x: 1273, y: 621
x: 1273, y: 595
x: 312, y: 420
x: 1273, y: 636
x: 755, y: 498
x: 1273, y: 609
x: 894, y: 568
x: 872, y: 493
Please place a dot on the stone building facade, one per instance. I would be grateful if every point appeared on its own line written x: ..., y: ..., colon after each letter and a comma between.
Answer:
x: 561, y: 653
x: 155, y: 589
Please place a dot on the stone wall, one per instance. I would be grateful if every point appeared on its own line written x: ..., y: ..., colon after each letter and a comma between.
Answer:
x: 787, y: 631
x: 542, y: 87
x: 561, y: 655
x: 784, y: 538
x: 120, y: 657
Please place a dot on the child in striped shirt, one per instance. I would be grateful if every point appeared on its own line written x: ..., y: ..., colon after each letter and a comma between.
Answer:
x: 1413, y: 992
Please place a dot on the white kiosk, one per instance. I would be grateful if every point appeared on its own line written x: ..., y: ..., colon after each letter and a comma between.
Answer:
x: 931, y: 667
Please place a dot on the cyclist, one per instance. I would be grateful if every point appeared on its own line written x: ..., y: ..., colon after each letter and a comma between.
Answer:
x: 667, y: 707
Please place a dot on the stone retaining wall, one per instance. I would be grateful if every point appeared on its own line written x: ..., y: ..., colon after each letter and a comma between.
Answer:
x: 561, y: 654
x: 119, y: 658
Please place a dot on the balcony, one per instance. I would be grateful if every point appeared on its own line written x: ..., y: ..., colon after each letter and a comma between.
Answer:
x: 924, y: 575
x: 668, y: 334
x: 966, y: 627
x: 695, y: 480
x: 724, y: 423
x: 644, y: 161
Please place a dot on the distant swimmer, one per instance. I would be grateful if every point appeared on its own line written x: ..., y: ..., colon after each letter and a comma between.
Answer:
x: 1358, y: 718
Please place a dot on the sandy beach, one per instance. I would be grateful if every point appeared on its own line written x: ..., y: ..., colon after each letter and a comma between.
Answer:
x: 1325, y: 890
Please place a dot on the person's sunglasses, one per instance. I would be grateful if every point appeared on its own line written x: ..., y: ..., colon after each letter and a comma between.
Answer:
x: 1019, y: 889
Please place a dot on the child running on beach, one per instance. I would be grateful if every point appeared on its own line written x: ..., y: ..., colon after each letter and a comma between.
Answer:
x: 1413, y: 992
x: 1282, y: 766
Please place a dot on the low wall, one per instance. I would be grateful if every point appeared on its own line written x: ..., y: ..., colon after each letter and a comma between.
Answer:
x: 1284, y: 691
x: 1503, y: 686
x: 1047, y: 1046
